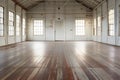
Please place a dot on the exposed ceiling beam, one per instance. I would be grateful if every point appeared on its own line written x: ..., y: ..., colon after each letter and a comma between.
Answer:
x: 97, y: 1
x: 100, y: 4
x: 35, y: 4
x: 19, y: 4
x: 90, y: 4
x: 81, y: 2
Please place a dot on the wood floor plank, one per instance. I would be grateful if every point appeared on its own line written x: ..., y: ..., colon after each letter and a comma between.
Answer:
x: 85, y: 60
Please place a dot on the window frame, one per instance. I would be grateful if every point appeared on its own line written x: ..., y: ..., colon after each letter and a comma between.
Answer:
x: 95, y: 27
x: 3, y: 22
x: 18, y: 26
x: 13, y: 23
x: 83, y: 26
x: 43, y: 27
x: 23, y: 26
x: 99, y: 26
x: 109, y: 24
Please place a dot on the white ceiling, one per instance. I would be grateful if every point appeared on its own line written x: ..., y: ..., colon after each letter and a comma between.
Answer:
x: 27, y: 4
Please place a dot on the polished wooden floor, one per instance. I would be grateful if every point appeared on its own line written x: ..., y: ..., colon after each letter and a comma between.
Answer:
x: 59, y: 61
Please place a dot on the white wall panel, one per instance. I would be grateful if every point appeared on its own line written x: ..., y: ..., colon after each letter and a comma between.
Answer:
x: 2, y: 41
x: 111, y: 5
x: 118, y: 22
x: 18, y: 12
x: 24, y: 16
x: 99, y: 15
x: 104, y: 22
x: 68, y: 14
x: 69, y: 27
x: 11, y: 5
x: 49, y: 25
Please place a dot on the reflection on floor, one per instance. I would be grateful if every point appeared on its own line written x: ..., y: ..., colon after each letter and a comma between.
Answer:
x: 60, y: 61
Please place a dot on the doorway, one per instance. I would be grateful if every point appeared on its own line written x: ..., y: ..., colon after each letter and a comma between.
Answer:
x: 59, y: 30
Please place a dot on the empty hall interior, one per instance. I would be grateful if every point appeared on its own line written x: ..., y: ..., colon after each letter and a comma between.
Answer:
x: 59, y: 39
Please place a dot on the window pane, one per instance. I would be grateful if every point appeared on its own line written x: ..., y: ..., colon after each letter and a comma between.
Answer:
x: 94, y: 33
x: 1, y: 14
x: 38, y: 27
x: 1, y: 21
x: 80, y: 27
x: 1, y: 29
x: 11, y: 24
x: 23, y: 26
x: 1, y: 26
x: 111, y: 22
x: 1, y: 9
x: 17, y: 25
x: 99, y: 26
x: 11, y: 16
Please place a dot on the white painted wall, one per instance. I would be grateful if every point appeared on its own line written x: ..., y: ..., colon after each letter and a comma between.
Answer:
x: 118, y: 22
x: 23, y: 16
x: 19, y: 12
x: 104, y: 22
x: 68, y: 13
x: 114, y: 40
x: 9, y: 5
